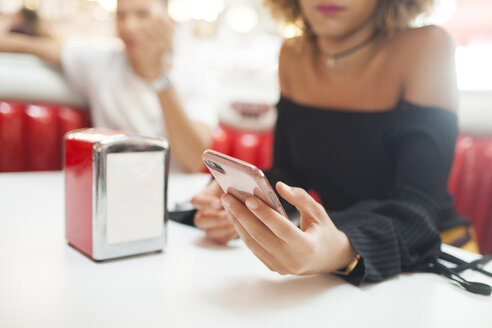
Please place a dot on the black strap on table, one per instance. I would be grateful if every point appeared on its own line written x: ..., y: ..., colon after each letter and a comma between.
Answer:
x: 184, y: 217
x: 461, y: 265
x: 454, y: 273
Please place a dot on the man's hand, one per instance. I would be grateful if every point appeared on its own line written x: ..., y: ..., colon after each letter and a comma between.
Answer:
x: 153, y: 54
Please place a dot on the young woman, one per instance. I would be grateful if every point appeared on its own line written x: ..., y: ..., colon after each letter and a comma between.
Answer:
x: 366, y: 119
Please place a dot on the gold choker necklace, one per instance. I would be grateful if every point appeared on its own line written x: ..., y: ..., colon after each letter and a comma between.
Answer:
x: 331, y: 59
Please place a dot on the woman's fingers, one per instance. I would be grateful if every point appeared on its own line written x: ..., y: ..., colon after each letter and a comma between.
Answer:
x: 201, y: 201
x: 264, y: 243
x: 209, y: 218
x: 276, y: 241
x: 263, y: 255
x: 222, y: 234
x: 311, y: 211
x: 216, y: 224
x: 208, y: 197
x: 252, y: 225
x: 278, y: 224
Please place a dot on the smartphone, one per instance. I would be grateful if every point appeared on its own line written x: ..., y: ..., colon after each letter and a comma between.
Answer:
x: 241, y: 179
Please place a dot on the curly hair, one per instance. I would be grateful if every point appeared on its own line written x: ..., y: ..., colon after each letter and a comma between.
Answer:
x: 391, y: 15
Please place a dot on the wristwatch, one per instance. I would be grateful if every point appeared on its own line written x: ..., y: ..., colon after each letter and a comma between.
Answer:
x: 350, y: 267
x: 161, y: 83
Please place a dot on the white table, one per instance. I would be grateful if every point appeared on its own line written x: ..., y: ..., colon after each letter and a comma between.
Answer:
x: 46, y: 283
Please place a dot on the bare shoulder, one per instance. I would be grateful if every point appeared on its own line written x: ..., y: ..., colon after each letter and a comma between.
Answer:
x: 293, y: 54
x: 291, y: 50
x: 426, y: 40
x: 287, y: 56
x: 429, y: 74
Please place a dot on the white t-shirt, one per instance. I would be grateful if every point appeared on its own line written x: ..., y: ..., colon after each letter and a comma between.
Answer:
x: 120, y: 99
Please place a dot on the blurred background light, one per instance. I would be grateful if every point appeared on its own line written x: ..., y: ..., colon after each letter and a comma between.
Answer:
x: 31, y: 4
x: 290, y: 31
x: 473, y: 68
x: 443, y: 12
x: 241, y: 18
x: 109, y: 5
x: 183, y: 11
x: 178, y: 11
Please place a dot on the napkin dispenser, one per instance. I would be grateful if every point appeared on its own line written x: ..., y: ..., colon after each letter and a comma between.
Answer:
x: 115, y: 193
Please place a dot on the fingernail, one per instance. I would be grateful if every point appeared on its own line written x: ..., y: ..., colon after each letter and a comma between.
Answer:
x: 226, y: 202
x: 252, y: 203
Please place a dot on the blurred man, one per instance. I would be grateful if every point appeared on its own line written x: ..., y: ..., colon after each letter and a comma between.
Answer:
x: 130, y: 89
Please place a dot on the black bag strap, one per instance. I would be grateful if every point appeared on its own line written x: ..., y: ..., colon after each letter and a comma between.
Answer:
x: 454, y: 273
x: 461, y: 265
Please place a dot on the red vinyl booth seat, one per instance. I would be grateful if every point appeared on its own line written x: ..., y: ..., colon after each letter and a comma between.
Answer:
x: 31, y: 135
x: 31, y: 140
x: 470, y: 183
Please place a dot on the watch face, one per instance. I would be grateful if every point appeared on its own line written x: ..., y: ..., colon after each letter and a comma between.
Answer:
x: 161, y: 83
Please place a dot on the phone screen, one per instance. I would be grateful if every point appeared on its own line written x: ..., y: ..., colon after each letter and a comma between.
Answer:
x: 241, y: 179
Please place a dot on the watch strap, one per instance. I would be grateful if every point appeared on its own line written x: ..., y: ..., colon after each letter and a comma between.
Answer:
x: 350, y: 267
x: 161, y: 83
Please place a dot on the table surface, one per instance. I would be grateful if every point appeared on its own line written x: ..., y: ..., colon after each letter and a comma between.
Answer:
x: 195, y: 283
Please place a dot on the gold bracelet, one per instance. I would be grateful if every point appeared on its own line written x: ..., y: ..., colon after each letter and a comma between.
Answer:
x: 350, y: 267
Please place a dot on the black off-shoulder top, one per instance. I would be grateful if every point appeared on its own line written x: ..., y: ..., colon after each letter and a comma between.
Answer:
x: 381, y: 177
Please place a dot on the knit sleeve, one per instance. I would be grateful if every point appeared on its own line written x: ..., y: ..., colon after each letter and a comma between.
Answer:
x: 398, y: 233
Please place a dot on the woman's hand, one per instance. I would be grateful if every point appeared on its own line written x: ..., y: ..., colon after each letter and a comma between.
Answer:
x: 211, y: 216
x: 318, y: 247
